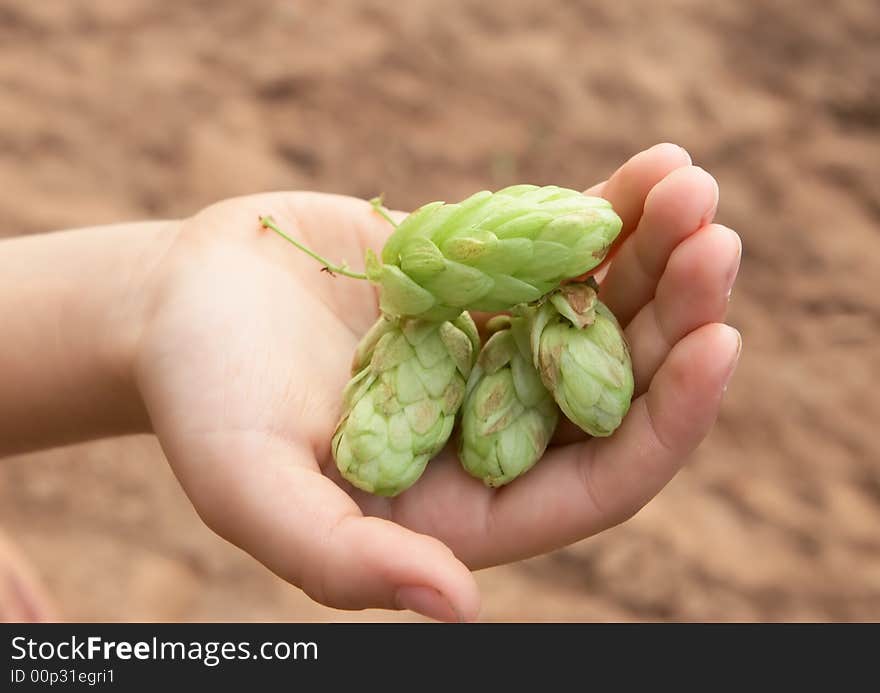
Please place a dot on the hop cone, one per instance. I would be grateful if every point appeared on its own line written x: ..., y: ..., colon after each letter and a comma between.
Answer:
x: 400, y: 406
x: 582, y: 356
x: 491, y: 251
x: 508, y: 416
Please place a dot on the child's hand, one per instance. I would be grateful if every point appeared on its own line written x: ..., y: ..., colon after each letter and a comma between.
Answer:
x: 247, y: 348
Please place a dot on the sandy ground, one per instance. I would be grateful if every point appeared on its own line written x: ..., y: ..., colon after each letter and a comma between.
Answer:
x: 117, y: 110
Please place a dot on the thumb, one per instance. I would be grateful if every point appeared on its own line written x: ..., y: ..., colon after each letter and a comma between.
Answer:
x: 369, y: 561
x: 271, y: 501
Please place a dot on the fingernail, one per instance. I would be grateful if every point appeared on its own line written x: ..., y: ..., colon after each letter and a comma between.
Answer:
x: 709, y: 214
x: 673, y: 146
x: 426, y: 601
x: 687, y: 154
x: 734, y: 267
x: 731, y: 368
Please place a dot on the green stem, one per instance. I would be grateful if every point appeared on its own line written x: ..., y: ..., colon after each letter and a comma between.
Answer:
x: 376, y: 202
x: 269, y: 223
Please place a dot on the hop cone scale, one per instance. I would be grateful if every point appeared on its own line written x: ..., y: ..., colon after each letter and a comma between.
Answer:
x: 508, y: 416
x: 581, y: 353
x: 491, y: 251
x: 400, y: 406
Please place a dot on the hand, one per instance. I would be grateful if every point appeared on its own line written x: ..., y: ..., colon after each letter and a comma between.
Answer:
x: 247, y: 348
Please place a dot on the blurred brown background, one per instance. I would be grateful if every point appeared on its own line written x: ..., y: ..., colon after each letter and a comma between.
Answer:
x: 127, y: 109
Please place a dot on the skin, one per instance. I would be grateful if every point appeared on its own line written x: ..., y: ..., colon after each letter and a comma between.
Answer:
x: 22, y: 596
x: 233, y: 348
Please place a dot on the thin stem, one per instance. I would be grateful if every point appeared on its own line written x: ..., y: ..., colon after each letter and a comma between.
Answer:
x: 376, y: 202
x: 269, y: 223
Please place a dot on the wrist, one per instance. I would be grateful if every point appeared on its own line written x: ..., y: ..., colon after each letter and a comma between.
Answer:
x: 73, y: 305
x: 136, y: 290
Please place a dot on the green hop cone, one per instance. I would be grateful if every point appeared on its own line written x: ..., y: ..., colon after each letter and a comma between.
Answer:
x: 508, y: 415
x: 490, y: 252
x: 581, y: 353
x: 400, y: 406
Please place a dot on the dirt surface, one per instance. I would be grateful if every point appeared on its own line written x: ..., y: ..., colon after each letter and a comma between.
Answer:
x: 122, y: 110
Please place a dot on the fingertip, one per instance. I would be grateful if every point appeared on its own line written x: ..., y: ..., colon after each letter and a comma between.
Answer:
x: 705, y: 263
x: 692, y: 380
x: 718, y: 341
x: 714, y: 194
x: 699, y: 182
x: 471, y: 602
x: 631, y: 183
x: 426, y: 601
x: 457, y: 602
x: 414, y: 571
x: 672, y: 152
x: 684, y: 201
x: 728, y: 340
x: 733, y: 252
x: 460, y: 588
x: 702, y: 363
x: 729, y: 234
x: 652, y: 165
x: 739, y: 242
x: 733, y: 348
x: 735, y: 238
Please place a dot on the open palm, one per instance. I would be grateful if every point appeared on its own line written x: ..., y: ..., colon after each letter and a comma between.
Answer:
x: 248, y: 347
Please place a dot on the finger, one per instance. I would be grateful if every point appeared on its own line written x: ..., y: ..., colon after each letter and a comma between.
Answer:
x: 308, y: 531
x: 676, y: 207
x: 665, y: 424
x: 578, y: 490
x: 628, y: 187
x: 693, y: 291
x: 596, y: 190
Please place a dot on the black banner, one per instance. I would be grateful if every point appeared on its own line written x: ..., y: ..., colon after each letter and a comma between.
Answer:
x: 134, y: 657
